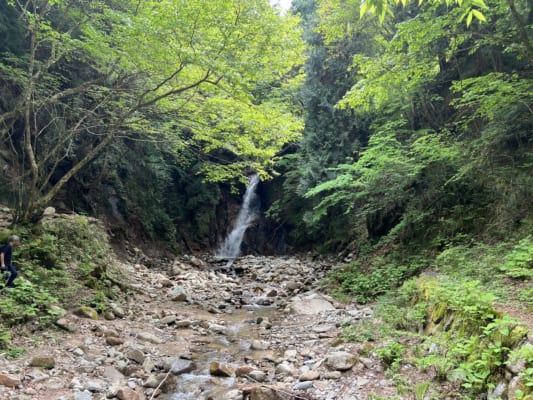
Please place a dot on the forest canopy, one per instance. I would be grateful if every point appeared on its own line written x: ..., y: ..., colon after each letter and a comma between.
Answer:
x: 77, y: 75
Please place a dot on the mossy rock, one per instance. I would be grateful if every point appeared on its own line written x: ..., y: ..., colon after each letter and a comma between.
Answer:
x: 86, y: 312
x: 43, y: 362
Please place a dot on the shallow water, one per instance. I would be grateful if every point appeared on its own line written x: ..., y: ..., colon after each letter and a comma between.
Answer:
x: 242, y: 328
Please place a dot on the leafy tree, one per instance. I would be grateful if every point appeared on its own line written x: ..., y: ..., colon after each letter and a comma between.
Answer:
x: 92, y: 73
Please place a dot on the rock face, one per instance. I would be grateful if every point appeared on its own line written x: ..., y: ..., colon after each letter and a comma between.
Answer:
x: 341, y: 360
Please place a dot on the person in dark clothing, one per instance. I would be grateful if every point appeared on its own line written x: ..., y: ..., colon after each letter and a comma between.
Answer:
x: 6, y: 256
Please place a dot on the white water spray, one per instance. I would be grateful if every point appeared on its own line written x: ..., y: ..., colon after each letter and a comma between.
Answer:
x: 231, y: 247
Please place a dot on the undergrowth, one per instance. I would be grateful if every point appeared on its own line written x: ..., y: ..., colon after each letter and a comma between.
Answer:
x: 63, y: 262
x: 445, y: 323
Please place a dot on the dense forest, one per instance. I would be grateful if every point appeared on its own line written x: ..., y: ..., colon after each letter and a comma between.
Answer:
x: 395, y: 135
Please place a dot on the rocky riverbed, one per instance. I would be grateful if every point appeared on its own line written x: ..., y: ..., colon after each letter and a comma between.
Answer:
x: 194, y: 329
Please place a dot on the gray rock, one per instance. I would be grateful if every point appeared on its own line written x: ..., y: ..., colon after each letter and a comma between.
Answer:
x: 499, y: 392
x: 85, y: 395
x: 183, y: 324
x: 311, y: 306
x: 332, y: 375
x: 309, y: 376
x: 177, y: 365
x: 340, y: 360
x: 168, y: 320
x: 323, y: 328
x: 303, y: 385
x: 148, y: 365
x: 66, y: 324
x: 112, y: 375
x: 79, y: 352
x: 136, y: 355
x: 218, y: 329
x: 257, y: 376
x: 179, y: 294
x: 117, y: 310
x: 93, y: 386
x: 260, y: 345
x: 149, y: 337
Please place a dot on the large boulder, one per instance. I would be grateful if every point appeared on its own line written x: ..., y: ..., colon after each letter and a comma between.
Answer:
x: 311, y: 305
x: 341, y: 360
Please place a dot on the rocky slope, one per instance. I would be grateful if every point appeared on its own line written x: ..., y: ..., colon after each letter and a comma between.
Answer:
x: 196, y: 330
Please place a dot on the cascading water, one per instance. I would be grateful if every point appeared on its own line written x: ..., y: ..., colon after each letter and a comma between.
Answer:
x: 231, y: 247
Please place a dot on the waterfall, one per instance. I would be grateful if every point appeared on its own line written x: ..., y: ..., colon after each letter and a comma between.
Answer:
x: 231, y: 247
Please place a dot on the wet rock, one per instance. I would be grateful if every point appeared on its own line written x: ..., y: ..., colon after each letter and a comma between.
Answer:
x: 178, y: 294
x: 165, y: 382
x: 86, y: 312
x: 43, y: 362
x: 311, y: 306
x: 114, y: 341
x: 136, y: 355
x: 149, y: 337
x: 66, y: 324
x: 263, y: 301
x: 257, y: 376
x: 341, y: 360
x: 234, y: 394
x: 243, y: 370
x: 220, y: 369
x: 181, y: 366
x: 9, y: 380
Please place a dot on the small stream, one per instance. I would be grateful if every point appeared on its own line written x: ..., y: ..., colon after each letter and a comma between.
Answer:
x: 231, y: 348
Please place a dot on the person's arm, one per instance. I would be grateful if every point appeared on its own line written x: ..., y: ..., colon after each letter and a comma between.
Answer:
x: 2, y: 260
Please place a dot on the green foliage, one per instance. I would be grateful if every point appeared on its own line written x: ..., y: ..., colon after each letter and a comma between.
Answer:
x: 366, y: 279
x: 519, y: 261
x: 467, y: 340
x: 28, y: 302
x: 5, y: 338
x: 15, y: 352
x: 391, y: 353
